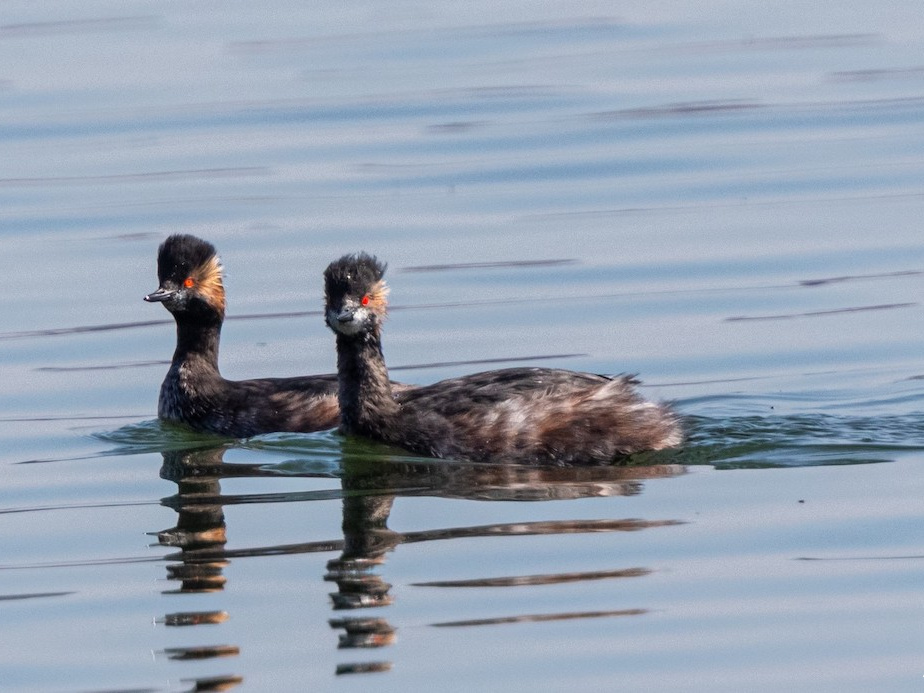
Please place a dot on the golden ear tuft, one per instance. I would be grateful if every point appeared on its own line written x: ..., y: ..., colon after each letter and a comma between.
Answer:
x: 208, y: 279
x: 377, y: 297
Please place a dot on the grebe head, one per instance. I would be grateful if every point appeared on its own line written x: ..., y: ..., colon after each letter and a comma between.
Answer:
x: 355, y: 293
x: 189, y: 272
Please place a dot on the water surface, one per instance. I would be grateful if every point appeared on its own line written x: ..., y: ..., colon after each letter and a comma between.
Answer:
x: 723, y: 199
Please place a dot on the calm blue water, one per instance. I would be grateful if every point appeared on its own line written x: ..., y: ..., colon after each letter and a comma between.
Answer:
x: 723, y: 198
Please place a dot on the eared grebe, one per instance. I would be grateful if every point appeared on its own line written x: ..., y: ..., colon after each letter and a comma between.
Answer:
x: 524, y: 415
x: 194, y: 393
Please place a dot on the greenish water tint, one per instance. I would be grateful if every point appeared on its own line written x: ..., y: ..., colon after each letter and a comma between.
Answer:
x: 732, y: 441
x: 724, y: 199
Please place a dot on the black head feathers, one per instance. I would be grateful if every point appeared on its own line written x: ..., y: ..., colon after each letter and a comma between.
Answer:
x: 181, y: 254
x: 356, y: 274
x: 190, y: 276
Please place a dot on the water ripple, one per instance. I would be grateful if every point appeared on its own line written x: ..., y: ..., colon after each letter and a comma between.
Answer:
x: 530, y: 580
x: 536, y: 618
x: 800, y: 440
x: 820, y: 313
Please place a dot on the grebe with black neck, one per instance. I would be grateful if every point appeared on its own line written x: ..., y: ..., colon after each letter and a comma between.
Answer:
x: 194, y: 392
x: 519, y: 415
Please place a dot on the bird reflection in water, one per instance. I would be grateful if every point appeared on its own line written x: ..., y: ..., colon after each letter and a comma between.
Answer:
x: 200, y: 535
x: 369, y: 484
x: 367, y: 504
x: 200, y: 518
x: 366, y: 539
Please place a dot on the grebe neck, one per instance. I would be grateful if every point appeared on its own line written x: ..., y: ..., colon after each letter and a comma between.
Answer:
x: 195, y: 339
x: 365, y: 395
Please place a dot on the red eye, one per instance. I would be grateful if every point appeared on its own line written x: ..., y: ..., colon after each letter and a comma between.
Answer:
x: 365, y: 300
x: 189, y: 282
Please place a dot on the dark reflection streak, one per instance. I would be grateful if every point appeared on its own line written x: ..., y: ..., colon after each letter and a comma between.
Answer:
x: 860, y: 558
x: 713, y: 381
x: 280, y: 550
x: 819, y: 313
x: 456, y: 127
x: 127, y: 177
x: 202, y: 652
x: 877, y: 75
x: 522, y: 529
x: 489, y: 265
x: 79, y: 26
x: 688, y: 108
x: 229, y: 470
x: 107, y: 367
x: 77, y: 506
x: 283, y: 314
x: 56, y: 331
x: 79, y: 458
x: 533, y: 618
x: 695, y: 108
x: 363, y: 668
x: 531, y: 580
x: 859, y: 277
x: 69, y: 417
x: 518, y: 529
x: 85, y: 564
x: 246, y: 499
x: 194, y: 618
x: 214, y: 683
x: 37, y: 595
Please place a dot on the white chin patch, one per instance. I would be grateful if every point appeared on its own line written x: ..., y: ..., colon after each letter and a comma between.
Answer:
x: 353, y: 327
